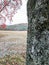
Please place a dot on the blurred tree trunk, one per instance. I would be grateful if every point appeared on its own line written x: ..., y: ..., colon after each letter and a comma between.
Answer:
x: 38, y: 32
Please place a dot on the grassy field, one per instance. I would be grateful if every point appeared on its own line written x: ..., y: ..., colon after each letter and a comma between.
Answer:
x: 13, y: 47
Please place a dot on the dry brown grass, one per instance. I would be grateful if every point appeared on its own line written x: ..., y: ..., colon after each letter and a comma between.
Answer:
x: 2, y: 35
x: 15, y: 40
x: 18, y: 40
x: 13, y: 35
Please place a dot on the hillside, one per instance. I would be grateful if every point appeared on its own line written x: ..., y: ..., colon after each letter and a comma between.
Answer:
x: 16, y: 27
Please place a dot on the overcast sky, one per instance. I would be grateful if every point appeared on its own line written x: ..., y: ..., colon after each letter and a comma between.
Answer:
x: 21, y: 15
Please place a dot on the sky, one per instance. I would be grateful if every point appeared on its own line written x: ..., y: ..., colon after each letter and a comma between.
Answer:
x: 21, y: 15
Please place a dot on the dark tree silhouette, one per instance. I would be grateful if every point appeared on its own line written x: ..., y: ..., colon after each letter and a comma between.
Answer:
x: 38, y: 32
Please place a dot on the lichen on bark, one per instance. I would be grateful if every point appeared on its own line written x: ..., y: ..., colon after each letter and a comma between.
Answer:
x: 38, y: 32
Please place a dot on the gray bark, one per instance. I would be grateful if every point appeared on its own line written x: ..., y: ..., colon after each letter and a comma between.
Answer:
x: 38, y: 32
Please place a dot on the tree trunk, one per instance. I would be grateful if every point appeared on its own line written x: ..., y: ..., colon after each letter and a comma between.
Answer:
x: 38, y: 32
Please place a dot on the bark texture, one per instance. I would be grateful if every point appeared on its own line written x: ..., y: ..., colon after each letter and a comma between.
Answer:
x: 38, y: 32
